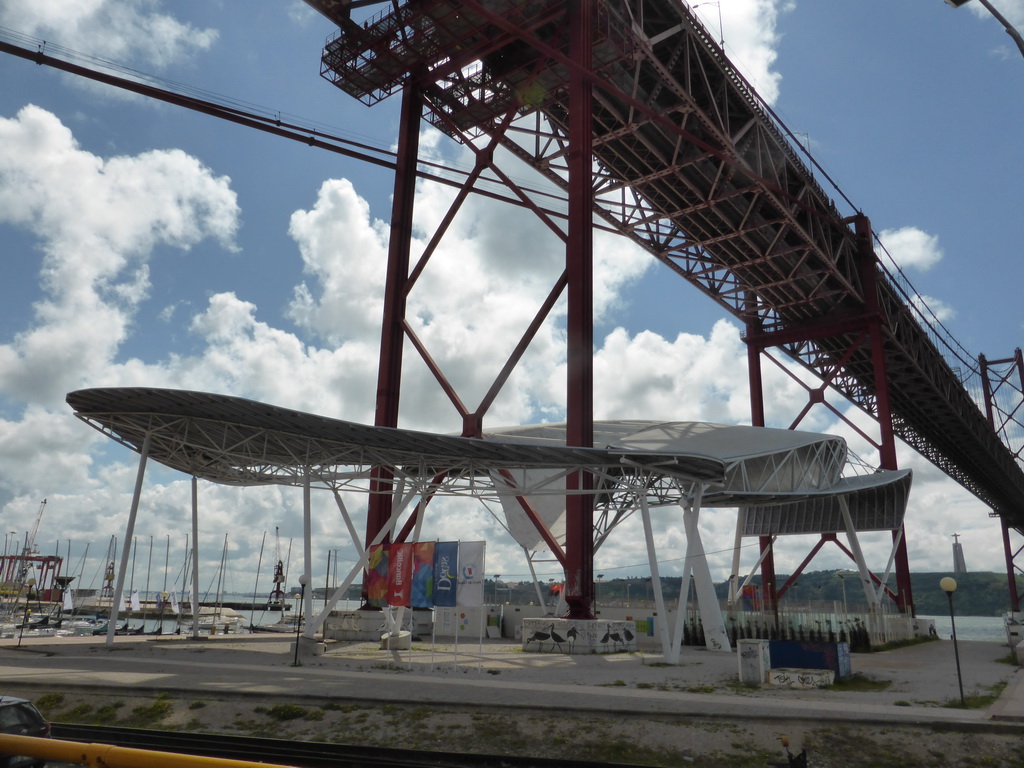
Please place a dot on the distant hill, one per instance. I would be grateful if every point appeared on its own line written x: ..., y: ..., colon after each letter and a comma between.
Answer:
x: 979, y: 593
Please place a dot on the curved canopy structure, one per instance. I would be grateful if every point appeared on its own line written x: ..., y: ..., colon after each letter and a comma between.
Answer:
x: 783, y: 481
x: 235, y: 441
x: 789, y: 481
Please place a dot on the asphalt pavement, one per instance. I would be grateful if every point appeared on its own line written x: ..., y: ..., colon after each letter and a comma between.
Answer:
x: 919, y: 681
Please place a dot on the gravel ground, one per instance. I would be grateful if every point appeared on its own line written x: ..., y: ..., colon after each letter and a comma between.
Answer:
x: 505, y: 702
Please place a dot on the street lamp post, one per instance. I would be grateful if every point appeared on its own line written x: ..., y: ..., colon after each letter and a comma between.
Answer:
x: 298, y: 623
x: 28, y: 611
x: 948, y: 585
x: 1010, y: 29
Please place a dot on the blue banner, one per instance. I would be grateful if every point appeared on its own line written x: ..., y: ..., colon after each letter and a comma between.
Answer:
x: 446, y: 570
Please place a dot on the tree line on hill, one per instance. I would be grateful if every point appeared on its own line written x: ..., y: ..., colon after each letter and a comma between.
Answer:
x: 979, y: 593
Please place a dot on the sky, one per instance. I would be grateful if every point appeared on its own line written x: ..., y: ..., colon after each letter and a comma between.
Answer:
x: 145, y: 245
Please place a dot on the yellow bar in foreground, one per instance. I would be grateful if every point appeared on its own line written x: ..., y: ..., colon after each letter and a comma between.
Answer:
x: 107, y: 756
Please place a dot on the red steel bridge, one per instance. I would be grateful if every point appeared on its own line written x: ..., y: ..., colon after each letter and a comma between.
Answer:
x: 634, y: 114
x: 639, y: 125
x: 636, y: 117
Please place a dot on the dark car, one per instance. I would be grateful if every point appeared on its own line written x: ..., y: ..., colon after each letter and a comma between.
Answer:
x: 20, y: 718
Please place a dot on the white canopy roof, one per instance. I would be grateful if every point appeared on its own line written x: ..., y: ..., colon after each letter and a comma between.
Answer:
x: 788, y: 481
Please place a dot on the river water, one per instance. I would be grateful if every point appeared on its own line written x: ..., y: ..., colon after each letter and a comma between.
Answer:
x: 985, y: 628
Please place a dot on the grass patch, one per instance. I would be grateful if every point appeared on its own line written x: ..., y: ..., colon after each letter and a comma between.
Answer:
x: 283, y: 712
x: 978, y: 700
x: 77, y: 714
x: 859, y: 682
x: 107, y: 714
x: 892, y: 646
x: 49, y: 701
x: 149, y: 714
x: 197, y: 705
x: 736, y: 686
x: 332, y: 706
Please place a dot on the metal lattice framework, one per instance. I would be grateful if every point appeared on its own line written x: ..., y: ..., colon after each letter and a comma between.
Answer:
x: 695, y: 169
x: 775, y: 474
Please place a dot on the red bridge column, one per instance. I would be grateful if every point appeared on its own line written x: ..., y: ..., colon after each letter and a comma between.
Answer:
x: 579, y: 507
x: 1005, y: 378
x: 887, y: 442
x: 392, y: 335
x: 769, y: 592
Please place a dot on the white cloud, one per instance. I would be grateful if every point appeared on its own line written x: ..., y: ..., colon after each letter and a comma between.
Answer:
x: 124, y: 31
x: 97, y: 222
x: 1012, y: 11
x: 749, y: 29
x: 931, y: 307
x: 910, y: 247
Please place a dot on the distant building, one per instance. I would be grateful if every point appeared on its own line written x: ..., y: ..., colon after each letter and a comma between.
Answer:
x: 959, y: 566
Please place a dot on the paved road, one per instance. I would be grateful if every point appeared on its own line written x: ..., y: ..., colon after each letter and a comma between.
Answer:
x: 497, y: 673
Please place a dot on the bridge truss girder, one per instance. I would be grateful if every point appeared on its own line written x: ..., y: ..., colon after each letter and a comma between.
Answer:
x: 693, y: 167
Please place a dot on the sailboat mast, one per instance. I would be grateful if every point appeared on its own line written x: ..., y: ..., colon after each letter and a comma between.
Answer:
x: 259, y: 566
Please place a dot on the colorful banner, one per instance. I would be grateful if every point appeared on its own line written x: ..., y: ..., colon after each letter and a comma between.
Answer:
x: 400, y: 574
x: 423, y: 574
x: 470, y: 587
x: 377, y: 576
x: 446, y: 570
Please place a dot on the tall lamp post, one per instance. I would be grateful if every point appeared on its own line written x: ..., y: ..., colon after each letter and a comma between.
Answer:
x: 948, y: 585
x: 1010, y: 29
x: 28, y: 611
x: 298, y: 623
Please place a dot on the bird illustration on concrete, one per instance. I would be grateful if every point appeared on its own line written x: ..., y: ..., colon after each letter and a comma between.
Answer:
x: 556, y: 638
x: 538, y: 637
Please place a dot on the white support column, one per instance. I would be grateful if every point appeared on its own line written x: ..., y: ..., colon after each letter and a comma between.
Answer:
x: 715, y: 635
x: 314, y: 627
x: 652, y: 559
x: 541, y: 601
x: 754, y: 568
x: 737, y: 544
x: 195, y: 558
x: 892, y: 559
x: 353, y: 534
x: 307, y: 553
x: 115, y: 608
x: 858, y: 555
